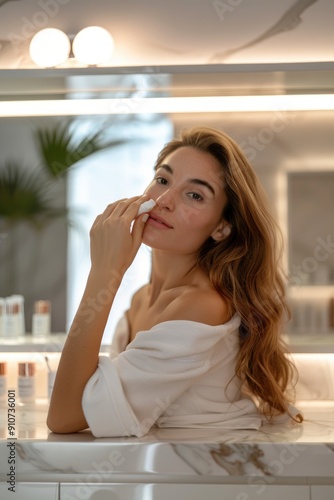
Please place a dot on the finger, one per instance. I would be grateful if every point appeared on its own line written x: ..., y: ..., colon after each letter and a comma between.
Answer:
x: 109, y: 209
x: 138, y: 229
x: 130, y: 206
x: 103, y: 216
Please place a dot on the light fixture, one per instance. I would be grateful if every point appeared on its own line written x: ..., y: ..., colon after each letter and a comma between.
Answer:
x: 93, y: 45
x: 49, y: 47
x: 211, y: 104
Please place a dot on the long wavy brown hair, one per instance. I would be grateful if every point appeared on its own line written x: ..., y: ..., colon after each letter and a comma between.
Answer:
x: 245, y: 268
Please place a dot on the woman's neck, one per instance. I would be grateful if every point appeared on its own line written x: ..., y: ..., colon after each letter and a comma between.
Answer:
x: 170, y: 271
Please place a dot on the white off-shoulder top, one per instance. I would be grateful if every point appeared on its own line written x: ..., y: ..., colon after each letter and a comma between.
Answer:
x: 177, y: 374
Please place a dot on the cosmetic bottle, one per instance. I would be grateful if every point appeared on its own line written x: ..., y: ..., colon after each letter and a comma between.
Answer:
x: 3, y: 381
x: 12, y: 323
x: 19, y: 300
x: 26, y: 382
x: 41, y: 319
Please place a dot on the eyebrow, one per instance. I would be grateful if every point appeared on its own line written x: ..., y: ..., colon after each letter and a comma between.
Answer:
x: 201, y: 182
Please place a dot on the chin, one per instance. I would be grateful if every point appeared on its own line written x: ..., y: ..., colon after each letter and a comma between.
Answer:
x: 167, y: 246
x: 174, y: 244
x: 154, y: 242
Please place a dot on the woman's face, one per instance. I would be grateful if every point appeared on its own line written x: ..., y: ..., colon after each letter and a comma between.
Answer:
x: 189, y: 192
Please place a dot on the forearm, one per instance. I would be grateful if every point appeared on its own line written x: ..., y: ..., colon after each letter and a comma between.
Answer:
x: 113, y: 248
x: 79, y: 357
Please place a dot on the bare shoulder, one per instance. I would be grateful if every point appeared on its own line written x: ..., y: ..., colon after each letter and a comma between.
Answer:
x: 200, y: 305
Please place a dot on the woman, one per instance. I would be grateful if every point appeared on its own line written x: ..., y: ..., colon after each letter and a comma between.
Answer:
x: 200, y: 344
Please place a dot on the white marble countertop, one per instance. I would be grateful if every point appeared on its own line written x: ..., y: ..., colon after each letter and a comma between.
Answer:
x: 318, y: 427
x: 303, y: 454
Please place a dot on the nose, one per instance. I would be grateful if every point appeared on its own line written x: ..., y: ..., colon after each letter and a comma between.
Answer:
x: 166, y: 200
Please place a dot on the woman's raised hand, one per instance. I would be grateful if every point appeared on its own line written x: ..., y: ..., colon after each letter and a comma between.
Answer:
x: 112, y: 246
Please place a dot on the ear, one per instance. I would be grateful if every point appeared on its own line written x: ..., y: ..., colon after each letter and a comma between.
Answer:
x: 222, y: 231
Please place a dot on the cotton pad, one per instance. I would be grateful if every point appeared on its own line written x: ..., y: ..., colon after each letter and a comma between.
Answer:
x: 146, y: 207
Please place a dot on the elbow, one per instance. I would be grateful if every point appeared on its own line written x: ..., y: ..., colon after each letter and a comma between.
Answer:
x: 56, y: 426
x: 59, y: 425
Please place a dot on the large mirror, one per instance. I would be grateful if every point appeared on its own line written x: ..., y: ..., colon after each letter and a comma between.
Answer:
x: 292, y: 153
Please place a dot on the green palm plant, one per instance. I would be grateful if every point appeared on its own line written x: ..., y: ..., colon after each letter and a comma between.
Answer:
x: 26, y: 193
x: 60, y: 150
x: 25, y: 196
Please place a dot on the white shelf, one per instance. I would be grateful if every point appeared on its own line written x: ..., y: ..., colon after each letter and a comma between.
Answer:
x: 27, y: 343
x: 317, y: 343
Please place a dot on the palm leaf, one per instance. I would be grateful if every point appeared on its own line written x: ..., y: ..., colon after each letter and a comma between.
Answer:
x: 59, y: 150
x: 25, y: 195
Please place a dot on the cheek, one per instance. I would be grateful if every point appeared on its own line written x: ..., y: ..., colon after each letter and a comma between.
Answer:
x: 195, y: 217
x: 150, y: 190
x: 188, y: 217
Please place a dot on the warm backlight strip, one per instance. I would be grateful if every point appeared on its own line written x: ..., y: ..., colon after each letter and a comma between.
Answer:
x: 148, y: 105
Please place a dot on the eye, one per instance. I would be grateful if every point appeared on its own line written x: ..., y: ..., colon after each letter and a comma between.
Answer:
x: 195, y: 196
x: 161, y: 180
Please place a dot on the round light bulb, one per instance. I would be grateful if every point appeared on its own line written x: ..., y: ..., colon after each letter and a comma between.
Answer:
x: 49, y: 47
x: 93, y: 45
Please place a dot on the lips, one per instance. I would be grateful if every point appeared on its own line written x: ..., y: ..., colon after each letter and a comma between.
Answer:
x: 159, y: 219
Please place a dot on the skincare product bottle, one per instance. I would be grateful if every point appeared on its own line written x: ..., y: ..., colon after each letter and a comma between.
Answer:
x: 12, y: 323
x: 3, y: 381
x: 26, y: 382
x: 19, y: 300
x: 41, y: 319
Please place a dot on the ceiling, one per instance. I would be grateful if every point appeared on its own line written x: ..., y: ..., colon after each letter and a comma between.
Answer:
x: 179, y: 32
